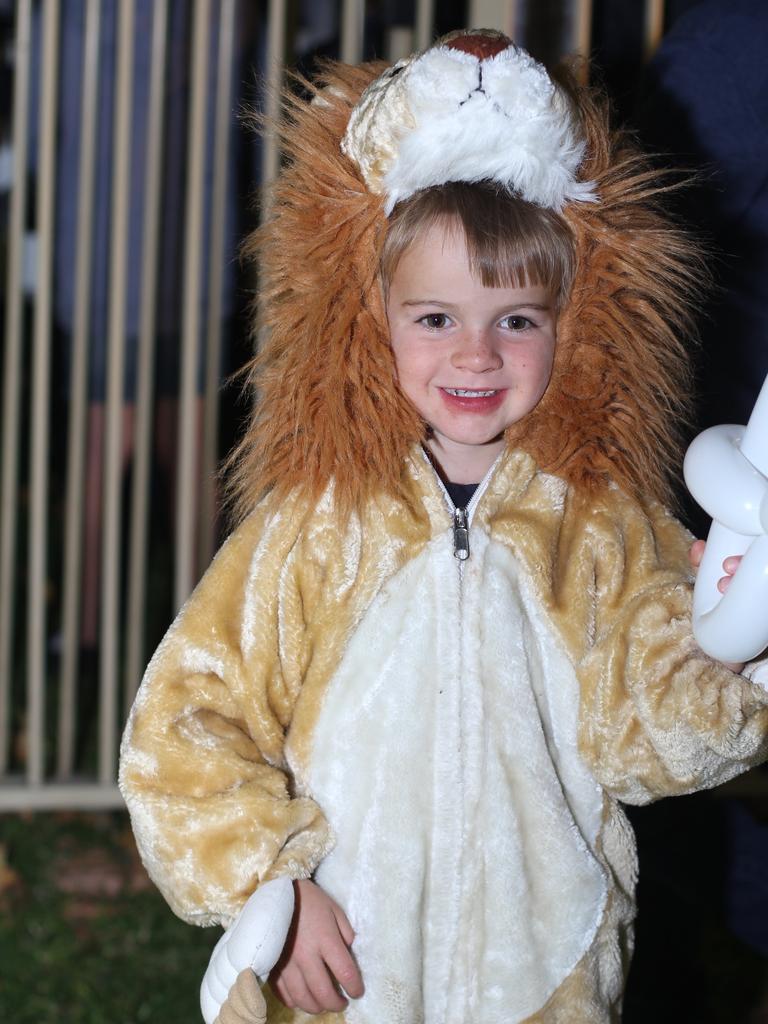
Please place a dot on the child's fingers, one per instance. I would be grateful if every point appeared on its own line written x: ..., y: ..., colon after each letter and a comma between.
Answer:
x: 302, y: 998
x: 321, y: 988
x: 292, y: 989
x: 336, y: 953
x: 346, y: 929
x: 279, y: 983
x: 696, y: 553
x: 731, y: 564
x: 342, y: 965
x: 308, y: 986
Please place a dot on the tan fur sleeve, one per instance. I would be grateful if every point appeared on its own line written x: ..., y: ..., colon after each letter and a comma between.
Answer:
x: 201, y: 761
x: 658, y: 716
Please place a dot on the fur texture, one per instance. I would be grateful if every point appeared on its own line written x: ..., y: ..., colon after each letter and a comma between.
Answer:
x: 619, y: 392
x: 442, y: 115
x: 220, y: 759
x: 494, y: 891
x: 327, y: 403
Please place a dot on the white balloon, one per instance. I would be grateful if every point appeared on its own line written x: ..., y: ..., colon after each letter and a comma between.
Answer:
x: 726, y: 471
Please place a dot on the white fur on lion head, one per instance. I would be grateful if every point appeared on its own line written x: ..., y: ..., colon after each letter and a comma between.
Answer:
x: 447, y: 115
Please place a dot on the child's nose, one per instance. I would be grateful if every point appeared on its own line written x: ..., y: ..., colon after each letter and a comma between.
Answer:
x: 476, y: 352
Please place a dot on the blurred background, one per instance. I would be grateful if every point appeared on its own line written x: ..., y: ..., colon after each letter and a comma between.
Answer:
x: 128, y: 180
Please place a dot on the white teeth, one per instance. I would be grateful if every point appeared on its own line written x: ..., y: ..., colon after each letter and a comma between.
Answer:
x: 466, y: 393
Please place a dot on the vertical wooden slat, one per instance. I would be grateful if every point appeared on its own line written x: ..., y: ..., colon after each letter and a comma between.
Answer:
x: 187, y: 481
x: 582, y: 33
x: 78, y: 396
x: 277, y: 13
x: 113, y: 460
x: 216, y: 278
x: 513, y: 19
x: 12, y: 366
x: 498, y: 14
x: 137, y: 571
x: 352, y: 29
x: 40, y: 415
x: 425, y: 21
x: 654, y: 26
x: 399, y: 42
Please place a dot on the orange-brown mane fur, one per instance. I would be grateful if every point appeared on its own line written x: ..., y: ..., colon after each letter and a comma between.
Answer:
x: 327, y: 406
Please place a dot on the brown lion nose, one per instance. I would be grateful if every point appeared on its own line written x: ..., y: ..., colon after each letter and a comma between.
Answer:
x: 479, y: 44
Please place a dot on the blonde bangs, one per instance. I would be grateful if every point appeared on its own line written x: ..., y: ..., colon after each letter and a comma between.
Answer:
x: 510, y: 242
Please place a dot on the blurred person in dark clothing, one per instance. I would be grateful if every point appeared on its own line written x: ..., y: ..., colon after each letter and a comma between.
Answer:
x: 704, y: 108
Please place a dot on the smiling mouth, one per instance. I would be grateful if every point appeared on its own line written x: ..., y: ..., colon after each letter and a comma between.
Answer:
x: 469, y: 393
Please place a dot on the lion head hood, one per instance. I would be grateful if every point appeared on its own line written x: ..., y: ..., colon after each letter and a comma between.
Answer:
x: 327, y: 402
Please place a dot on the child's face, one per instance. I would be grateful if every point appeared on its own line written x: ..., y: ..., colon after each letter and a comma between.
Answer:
x: 473, y: 360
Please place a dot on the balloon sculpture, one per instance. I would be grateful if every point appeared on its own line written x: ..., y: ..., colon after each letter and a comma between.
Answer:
x: 726, y: 470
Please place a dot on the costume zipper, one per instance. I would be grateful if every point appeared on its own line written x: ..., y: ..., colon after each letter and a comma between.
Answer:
x: 460, y: 534
x: 461, y: 518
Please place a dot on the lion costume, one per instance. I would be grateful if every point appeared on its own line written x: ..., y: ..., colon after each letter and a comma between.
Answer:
x: 443, y: 743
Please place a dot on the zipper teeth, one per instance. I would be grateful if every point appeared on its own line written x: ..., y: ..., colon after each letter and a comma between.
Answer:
x: 481, y: 488
x: 465, y: 513
x: 473, y: 501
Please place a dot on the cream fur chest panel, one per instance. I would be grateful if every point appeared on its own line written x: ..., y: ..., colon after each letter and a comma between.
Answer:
x: 445, y: 759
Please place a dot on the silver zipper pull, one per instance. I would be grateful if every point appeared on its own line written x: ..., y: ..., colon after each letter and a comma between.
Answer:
x: 460, y: 534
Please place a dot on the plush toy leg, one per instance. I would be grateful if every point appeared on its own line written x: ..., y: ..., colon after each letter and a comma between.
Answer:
x: 245, y: 1004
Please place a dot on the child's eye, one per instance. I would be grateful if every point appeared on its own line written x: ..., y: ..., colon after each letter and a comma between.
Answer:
x: 515, y: 322
x: 435, y: 321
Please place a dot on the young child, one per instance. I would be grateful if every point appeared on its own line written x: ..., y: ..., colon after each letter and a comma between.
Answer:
x: 452, y: 630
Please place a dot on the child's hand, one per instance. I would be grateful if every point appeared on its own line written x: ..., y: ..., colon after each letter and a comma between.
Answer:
x: 730, y: 565
x: 316, y: 955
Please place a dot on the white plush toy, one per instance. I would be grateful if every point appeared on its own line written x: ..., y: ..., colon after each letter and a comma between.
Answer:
x: 250, y: 947
x: 726, y: 470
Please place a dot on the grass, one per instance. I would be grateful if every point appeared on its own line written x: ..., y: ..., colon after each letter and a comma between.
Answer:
x: 86, y: 939
x: 84, y: 936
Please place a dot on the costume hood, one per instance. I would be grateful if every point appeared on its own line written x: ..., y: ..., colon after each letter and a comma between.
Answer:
x: 328, y: 405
